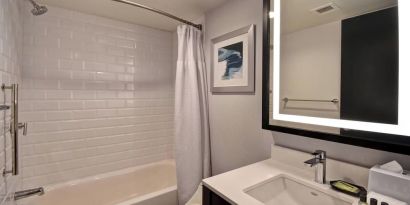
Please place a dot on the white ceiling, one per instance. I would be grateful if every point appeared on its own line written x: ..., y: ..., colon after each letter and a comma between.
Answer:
x: 188, y: 9
x: 297, y: 14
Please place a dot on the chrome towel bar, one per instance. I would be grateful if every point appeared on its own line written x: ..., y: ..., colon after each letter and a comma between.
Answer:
x: 286, y: 100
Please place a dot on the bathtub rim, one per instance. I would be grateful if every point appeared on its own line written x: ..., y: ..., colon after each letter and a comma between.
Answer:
x: 142, y: 198
x: 106, y: 175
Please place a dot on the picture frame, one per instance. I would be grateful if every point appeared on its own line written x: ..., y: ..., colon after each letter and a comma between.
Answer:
x: 233, y: 61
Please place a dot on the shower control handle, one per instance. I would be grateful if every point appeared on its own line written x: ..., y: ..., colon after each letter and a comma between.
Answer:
x: 23, y: 126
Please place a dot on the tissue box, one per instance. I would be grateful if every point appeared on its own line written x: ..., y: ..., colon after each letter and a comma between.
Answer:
x: 388, y: 183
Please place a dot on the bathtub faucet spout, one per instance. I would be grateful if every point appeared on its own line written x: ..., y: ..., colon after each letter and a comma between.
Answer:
x: 27, y: 193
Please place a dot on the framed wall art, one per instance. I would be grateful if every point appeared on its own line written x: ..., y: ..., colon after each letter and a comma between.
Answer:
x: 233, y: 62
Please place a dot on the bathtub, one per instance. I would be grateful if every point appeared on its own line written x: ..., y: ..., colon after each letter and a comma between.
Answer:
x: 152, y: 184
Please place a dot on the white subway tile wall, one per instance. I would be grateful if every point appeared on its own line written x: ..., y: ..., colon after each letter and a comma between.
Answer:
x: 11, y: 45
x: 98, y: 96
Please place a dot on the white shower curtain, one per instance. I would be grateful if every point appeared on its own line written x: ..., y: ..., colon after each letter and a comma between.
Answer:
x: 192, y: 144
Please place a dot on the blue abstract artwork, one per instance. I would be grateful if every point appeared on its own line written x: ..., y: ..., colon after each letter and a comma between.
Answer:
x: 233, y: 56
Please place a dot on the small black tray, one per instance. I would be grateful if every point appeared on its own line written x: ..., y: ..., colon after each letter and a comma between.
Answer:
x: 362, y: 189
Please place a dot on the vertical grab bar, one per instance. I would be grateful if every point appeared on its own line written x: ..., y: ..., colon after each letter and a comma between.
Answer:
x: 14, y: 129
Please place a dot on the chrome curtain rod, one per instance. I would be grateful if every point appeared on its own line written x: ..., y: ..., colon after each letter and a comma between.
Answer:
x: 198, y: 26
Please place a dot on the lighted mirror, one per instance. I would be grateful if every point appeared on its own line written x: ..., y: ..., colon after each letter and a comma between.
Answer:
x: 337, y: 66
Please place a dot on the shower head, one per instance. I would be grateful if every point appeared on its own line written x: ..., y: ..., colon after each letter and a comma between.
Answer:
x: 37, y: 10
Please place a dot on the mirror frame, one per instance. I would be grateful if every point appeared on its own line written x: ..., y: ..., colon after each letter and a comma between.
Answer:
x: 380, y: 141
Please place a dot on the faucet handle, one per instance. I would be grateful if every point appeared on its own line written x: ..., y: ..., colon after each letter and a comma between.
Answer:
x: 317, y: 152
x: 320, y: 154
x: 23, y: 126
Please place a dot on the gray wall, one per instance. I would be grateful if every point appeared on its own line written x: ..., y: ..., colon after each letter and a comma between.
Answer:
x: 236, y: 134
x: 353, y: 154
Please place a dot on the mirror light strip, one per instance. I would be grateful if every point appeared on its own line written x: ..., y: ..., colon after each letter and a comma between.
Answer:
x: 403, y: 127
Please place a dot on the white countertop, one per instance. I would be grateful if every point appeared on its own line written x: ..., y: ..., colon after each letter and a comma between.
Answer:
x: 231, y: 185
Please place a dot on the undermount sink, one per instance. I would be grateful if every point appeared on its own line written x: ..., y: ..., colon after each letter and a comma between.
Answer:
x: 288, y: 191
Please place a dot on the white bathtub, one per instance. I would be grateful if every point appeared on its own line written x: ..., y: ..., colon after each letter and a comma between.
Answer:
x: 153, y: 184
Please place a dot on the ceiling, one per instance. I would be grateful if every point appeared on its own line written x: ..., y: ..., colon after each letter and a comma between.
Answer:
x: 188, y: 9
x: 297, y: 14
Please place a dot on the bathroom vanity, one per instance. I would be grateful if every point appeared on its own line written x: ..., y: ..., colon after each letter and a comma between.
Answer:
x: 211, y: 198
x: 282, y: 179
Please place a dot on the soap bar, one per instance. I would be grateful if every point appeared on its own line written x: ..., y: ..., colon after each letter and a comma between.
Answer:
x: 347, y: 188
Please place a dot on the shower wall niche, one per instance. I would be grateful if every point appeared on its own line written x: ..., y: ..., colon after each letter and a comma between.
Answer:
x: 98, y: 95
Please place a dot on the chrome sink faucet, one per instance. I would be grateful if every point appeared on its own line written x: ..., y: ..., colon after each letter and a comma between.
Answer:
x: 319, y: 162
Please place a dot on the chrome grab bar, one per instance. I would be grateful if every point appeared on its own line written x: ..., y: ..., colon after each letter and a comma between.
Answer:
x: 14, y: 128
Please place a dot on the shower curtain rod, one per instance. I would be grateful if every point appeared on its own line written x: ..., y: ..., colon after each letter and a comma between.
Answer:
x: 198, y: 26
